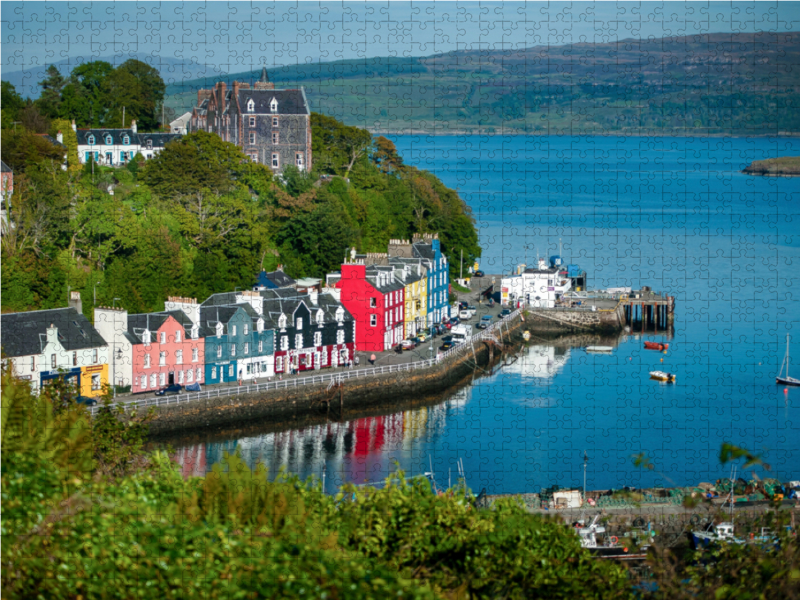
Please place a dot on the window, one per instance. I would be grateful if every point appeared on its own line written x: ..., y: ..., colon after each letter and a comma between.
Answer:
x: 247, y: 347
x: 179, y: 357
x: 339, y: 315
x: 33, y: 363
x: 126, y: 140
x: 146, y: 361
x: 149, y: 145
x: 90, y: 141
x: 298, y: 341
x: 340, y: 336
x: 275, y: 137
x: 252, y: 137
x: 180, y: 377
x: 199, y: 373
x: 252, y: 121
x: 284, y: 343
x: 343, y: 354
x: 260, y: 346
x: 275, y: 161
x: 233, y: 329
x: 178, y: 336
x: 189, y: 376
x: 163, y: 378
x: 233, y: 349
x: 373, y: 302
x: 194, y: 354
x: 253, y: 156
x: 95, y: 383
x: 318, y: 339
x: 320, y: 318
x: 273, y: 106
x: 282, y: 321
x: 298, y: 159
x: 153, y: 380
x: 251, y: 106
x: 373, y: 320
x: 163, y: 337
x: 323, y: 360
x: 219, y: 351
x: 143, y: 382
x: 74, y: 359
x: 162, y: 359
x: 213, y: 373
x: 230, y: 370
x: 109, y: 140
x: 274, y: 121
x: 299, y: 323
x: 246, y: 329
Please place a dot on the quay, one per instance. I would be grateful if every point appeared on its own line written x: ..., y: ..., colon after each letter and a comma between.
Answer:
x: 330, y: 394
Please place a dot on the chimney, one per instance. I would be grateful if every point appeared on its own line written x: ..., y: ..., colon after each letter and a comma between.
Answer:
x: 60, y: 137
x: 253, y: 299
x: 75, y: 301
x: 52, y: 335
x: 202, y: 95
x: 133, y: 126
x: 74, y: 127
x: 313, y: 296
x: 189, y: 306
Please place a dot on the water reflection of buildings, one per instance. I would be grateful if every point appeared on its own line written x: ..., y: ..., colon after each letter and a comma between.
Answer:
x: 356, y: 450
x: 540, y: 362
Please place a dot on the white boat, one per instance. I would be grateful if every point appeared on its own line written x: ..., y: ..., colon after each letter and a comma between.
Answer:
x: 610, y: 547
x: 662, y: 376
x: 780, y: 378
x: 715, y: 534
x: 599, y: 348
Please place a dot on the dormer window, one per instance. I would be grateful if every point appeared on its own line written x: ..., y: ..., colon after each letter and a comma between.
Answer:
x: 282, y: 321
x: 219, y: 330
x: 339, y: 315
x: 126, y: 139
x: 251, y: 106
x: 109, y: 140
x: 260, y: 325
x: 178, y: 336
x: 320, y: 318
x: 149, y: 144
x: 273, y: 106
x: 299, y: 323
x: 90, y: 140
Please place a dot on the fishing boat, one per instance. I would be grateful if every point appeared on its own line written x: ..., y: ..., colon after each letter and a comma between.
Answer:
x: 714, y: 534
x: 780, y: 378
x: 609, y: 547
x: 655, y: 346
x: 599, y: 348
x: 662, y: 376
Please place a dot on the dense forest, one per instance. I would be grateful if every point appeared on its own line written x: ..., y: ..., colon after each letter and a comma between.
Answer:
x: 200, y: 218
x: 88, y: 514
x: 743, y: 84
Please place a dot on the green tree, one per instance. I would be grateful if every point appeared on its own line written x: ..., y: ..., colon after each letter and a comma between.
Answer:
x: 138, y: 88
x: 10, y: 104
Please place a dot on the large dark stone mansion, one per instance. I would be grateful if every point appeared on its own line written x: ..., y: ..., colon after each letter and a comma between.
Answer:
x: 271, y: 126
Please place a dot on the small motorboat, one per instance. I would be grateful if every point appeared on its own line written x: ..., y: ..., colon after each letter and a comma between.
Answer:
x: 662, y: 376
x: 780, y: 378
x: 655, y: 346
x: 609, y: 548
x: 599, y: 348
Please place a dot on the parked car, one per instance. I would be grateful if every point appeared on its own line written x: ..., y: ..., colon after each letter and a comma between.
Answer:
x: 479, y: 273
x: 454, y: 321
x: 472, y: 308
x: 465, y: 315
x: 446, y: 346
x: 462, y: 305
x: 408, y: 345
x: 416, y: 341
x: 86, y: 400
x: 422, y: 337
x: 447, y: 338
x: 170, y: 389
x: 447, y: 326
x: 505, y: 312
x: 485, y: 321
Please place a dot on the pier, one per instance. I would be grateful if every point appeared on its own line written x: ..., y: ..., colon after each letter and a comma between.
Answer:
x: 647, y: 310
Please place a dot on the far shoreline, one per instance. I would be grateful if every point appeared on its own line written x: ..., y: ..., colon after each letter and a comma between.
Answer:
x: 603, y: 134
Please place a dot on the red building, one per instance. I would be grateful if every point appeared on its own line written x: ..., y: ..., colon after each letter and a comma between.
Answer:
x: 376, y: 300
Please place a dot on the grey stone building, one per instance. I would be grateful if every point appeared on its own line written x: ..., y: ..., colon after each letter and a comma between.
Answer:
x: 271, y: 126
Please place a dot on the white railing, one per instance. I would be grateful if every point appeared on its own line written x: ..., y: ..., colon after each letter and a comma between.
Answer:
x: 330, y: 378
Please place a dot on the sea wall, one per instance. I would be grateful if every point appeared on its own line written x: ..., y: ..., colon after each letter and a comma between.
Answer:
x: 380, y: 391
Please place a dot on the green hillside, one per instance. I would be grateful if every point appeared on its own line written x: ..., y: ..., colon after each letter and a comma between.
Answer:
x: 706, y: 84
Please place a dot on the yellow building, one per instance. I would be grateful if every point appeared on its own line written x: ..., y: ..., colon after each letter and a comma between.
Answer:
x: 94, y: 378
x: 415, y: 282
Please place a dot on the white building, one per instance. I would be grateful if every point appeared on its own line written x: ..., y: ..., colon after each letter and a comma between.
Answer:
x: 116, y: 147
x: 536, y: 288
x: 112, y: 324
x: 180, y: 124
x: 44, y: 345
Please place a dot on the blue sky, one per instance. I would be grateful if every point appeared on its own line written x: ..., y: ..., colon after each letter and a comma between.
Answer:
x: 238, y: 36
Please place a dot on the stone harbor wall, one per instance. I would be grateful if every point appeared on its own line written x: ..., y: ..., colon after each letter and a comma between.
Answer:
x: 556, y: 320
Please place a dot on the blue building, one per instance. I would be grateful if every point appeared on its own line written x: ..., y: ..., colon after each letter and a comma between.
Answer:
x: 427, y: 246
x: 274, y: 280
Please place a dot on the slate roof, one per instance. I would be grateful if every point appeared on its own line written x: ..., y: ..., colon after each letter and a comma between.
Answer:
x: 210, y: 315
x: 51, y: 139
x: 5, y: 167
x: 278, y: 278
x: 290, y: 102
x: 392, y: 286
x: 424, y: 250
x: 136, y: 139
x: 153, y: 322
x: 25, y: 334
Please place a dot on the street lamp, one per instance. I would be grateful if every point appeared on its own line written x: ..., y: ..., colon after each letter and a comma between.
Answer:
x: 94, y: 296
x: 115, y: 352
x: 114, y: 355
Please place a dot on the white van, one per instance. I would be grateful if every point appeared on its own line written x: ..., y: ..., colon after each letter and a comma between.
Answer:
x: 461, y: 333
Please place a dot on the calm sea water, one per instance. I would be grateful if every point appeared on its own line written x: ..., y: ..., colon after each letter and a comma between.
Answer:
x: 672, y: 213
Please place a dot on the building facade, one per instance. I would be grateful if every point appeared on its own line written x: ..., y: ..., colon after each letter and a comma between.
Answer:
x: 117, y: 147
x: 539, y: 287
x: 272, y: 127
x: 427, y: 246
x: 413, y: 276
x: 44, y: 345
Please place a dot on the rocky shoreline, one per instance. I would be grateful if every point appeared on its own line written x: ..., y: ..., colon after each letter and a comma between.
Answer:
x: 786, y: 166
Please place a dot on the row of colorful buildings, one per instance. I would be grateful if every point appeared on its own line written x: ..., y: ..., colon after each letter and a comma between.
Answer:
x: 281, y: 326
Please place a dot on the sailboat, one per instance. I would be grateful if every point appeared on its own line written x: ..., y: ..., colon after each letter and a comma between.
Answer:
x: 786, y: 380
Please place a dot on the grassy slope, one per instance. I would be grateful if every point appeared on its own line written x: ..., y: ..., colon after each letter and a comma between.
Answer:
x: 709, y: 84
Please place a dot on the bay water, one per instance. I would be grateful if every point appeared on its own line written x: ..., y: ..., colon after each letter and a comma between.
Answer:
x: 672, y: 213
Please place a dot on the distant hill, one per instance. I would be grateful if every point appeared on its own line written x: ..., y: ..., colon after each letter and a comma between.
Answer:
x: 695, y: 85
x: 172, y: 70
